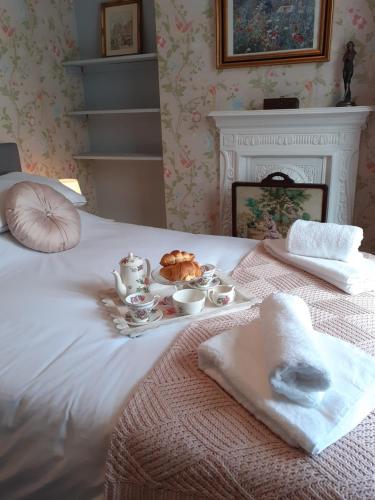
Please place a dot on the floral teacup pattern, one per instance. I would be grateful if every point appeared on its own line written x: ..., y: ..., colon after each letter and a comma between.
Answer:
x: 141, y: 305
x: 221, y: 295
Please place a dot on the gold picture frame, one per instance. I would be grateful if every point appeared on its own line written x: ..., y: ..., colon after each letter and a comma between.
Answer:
x: 264, y: 33
x: 121, y: 28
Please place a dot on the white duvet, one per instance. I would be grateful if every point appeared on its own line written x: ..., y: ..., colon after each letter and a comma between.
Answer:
x: 64, y: 373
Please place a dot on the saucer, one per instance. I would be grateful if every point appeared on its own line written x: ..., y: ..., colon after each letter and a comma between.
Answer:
x: 156, y: 276
x: 155, y: 316
x: 195, y: 284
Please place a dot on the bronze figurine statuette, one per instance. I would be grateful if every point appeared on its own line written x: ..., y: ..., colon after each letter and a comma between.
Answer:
x: 347, y: 74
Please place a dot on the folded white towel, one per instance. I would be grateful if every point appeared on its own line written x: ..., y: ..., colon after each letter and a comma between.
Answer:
x: 295, y: 362
x: 324, y: 240
x: 235, y: 360
x: 352, y: 278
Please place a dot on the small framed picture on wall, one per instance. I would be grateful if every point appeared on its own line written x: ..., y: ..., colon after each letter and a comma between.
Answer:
x: 121, y: 28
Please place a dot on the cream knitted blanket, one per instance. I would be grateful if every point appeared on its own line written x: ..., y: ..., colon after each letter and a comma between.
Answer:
x: 180, y: 436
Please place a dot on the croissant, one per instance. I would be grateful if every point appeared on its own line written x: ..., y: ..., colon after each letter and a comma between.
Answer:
x: 175, y: 257
x: 183, y: 271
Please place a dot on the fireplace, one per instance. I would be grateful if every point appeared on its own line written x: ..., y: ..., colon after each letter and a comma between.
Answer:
x: 311, y: 145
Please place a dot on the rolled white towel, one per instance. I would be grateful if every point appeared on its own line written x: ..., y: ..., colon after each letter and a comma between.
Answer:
x: 324, y: 240
x: 294, y: 361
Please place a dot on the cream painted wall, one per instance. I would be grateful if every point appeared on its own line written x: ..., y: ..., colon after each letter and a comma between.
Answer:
x: 36, y: 92
x: 191, y: 87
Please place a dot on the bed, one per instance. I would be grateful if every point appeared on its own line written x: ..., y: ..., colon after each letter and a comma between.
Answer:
x: 64, y: 373
x: 73, y: 391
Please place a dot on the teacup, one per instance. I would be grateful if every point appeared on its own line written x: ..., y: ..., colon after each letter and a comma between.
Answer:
x: 188, y: 301
x: 140, y: 306
x: 201, y: 282
x: 208, y: 271
x: 221, y: 295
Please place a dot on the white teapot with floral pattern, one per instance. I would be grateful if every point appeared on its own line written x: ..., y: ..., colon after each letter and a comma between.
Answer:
x: 134, y: 276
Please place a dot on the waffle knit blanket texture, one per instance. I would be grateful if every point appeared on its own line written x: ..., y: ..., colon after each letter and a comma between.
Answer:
x: 180, y: 436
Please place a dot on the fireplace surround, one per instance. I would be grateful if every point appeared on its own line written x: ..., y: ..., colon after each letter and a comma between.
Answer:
x: 311, y: 145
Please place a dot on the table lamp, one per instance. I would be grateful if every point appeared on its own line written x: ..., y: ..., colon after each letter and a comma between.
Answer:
x: 72, y: 184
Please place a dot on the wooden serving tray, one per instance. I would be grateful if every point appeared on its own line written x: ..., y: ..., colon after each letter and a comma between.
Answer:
x: 118, y: 311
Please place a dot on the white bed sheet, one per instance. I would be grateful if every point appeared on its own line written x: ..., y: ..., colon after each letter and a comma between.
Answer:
x: 64, y: 373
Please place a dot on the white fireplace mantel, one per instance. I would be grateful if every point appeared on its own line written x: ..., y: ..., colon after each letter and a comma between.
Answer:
x: 311, y: 145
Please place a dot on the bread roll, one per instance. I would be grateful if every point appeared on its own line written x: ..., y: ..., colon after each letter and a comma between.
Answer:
x: 175, y: 257
x: 183, y: 271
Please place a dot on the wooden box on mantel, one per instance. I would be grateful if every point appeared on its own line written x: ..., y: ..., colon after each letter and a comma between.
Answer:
x: 281, y: 103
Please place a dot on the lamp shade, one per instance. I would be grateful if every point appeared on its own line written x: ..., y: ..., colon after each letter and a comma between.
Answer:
x: 72, y: 184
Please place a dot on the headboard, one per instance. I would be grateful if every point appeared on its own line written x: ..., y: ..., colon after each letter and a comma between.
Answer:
x: 9, y: 158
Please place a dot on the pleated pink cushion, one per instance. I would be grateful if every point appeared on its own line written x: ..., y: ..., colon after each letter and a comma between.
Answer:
x: 41, y: 218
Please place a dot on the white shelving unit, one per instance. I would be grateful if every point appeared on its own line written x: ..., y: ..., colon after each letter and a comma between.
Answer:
x: 112, y: 60
x: 117, y: 157
x: 125, y: 111
x: 121, y: 111
x: 84, y: 112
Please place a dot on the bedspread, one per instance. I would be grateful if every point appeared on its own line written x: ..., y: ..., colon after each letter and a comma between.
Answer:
x: 180, y: 436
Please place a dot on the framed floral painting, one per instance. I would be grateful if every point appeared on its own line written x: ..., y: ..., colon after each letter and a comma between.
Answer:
x: 259, y: 32
x: 120, y: 28
x: 266, y: 209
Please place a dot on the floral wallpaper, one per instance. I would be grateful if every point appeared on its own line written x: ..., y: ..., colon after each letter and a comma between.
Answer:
x: 36, y: 91
x: 191, y: 87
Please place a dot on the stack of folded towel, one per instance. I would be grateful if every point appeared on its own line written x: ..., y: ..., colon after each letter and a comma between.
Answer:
x: 329, y: 251
x: 276, y: 367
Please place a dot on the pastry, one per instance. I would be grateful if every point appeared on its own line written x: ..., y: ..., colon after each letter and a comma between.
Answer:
x: 183, y: 271
x: 175, y: 257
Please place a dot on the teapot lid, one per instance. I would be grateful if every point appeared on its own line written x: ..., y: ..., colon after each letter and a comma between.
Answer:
x: 131, y: 260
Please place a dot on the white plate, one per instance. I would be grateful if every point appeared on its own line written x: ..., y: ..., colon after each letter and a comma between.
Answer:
x: 215, y: 281
x: 156, y: 276
x: 154, y: 317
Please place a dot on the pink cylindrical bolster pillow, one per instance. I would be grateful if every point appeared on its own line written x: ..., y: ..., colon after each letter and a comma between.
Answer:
x: 41, y: 218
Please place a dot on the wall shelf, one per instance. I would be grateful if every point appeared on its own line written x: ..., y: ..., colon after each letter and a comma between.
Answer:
x: 113, y: 60
x: 120, y: 108
x: 117, y: 157
x: 85, y: 112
